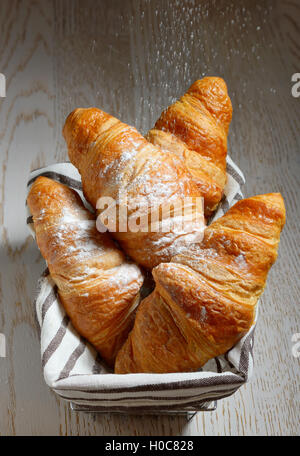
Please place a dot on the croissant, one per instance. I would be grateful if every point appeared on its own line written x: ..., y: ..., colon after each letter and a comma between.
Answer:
x: 97, y: 287
x: 117, y: 163
x: 205, y: 299
x: 196, y: 128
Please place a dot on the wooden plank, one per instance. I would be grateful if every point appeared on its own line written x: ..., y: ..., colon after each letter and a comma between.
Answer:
x: 132, y: 58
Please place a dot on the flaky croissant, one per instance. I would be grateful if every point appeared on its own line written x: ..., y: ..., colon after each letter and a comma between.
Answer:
x: 196, y: 128
x: 97, y: 287
x: 115, y: 161
x: 205, y: 299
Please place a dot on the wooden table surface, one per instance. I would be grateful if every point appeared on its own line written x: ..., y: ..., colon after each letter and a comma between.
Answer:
x: 133, y: 58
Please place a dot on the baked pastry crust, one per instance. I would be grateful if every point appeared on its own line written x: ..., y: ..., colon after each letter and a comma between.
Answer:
x: 98, y: 288
x: 116, y: 161
x: 205, y: 293
x: 205, y: 299
x: 195, y: 128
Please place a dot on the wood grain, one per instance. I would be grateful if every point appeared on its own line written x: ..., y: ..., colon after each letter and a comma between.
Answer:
x: 132, y: 58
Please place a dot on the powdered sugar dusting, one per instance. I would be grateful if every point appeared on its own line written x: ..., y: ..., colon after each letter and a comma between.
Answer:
x: 75, y: 240
x: 77, y: 235
x: 125, y: 274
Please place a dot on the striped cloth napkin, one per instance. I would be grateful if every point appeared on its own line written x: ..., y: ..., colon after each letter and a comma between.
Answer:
x: 74, y: 370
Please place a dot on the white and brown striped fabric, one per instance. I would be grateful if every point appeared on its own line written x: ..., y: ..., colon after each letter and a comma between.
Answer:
x: 76, y: 373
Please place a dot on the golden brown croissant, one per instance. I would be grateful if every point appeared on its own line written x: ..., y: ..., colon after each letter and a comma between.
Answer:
x: 196, y: 129
x: 115, y: 161
x: 205, y: 299
x: 97, y: 287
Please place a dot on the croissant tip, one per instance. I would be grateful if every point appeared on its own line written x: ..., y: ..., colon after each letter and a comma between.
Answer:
x: 211, y: 80
x: 278, y: 200
x: 275, y: 198
x: 273, y: 201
